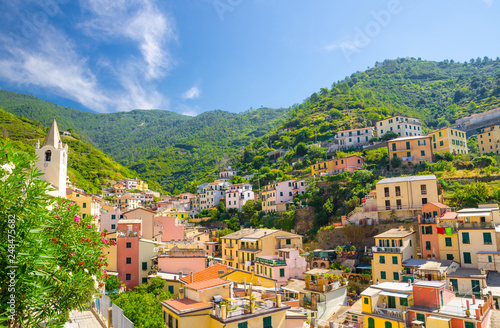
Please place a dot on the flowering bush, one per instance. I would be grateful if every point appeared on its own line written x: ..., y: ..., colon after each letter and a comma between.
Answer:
x: 50, y: 258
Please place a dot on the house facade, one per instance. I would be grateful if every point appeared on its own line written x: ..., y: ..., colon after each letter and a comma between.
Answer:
x: 281, y: 192
x: 449, y: 140
x: 411, y: 150
x: 404, y: 126
x: 337, y: 165
x: 488, y: 140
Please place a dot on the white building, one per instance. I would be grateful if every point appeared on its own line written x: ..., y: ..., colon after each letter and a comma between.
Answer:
x: 212, y: 194
x: 354, y: 138
x: 404, y: 126
x: 53, y: 161
x: 238, y: 194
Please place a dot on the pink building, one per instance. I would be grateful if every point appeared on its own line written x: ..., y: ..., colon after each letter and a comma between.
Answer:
x: 288, y: 264
x: 227, y: 174
x: 281, y: 192
x: 109, y: 221
x: 170, y: 228
x: 185, y: 260
x: 238, y: 195
x: 127, y: 249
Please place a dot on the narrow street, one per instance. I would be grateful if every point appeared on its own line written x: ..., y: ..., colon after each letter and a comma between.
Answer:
x: 84, y: 319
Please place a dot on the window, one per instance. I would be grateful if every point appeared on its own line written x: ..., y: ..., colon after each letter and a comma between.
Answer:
x: 424, y: 201
x: 426, y: 230
x: 268, y: 323
x: 288, y: 241
x: 467, y: 258
x: 447, y: 241
x: 48, y: 155
x: 393, y: 147
x: 490, y: 258
x: 243, y: 325
x: 386, y: 191
x: 465, y: 238
x: 171, y: 289
x: 441, y: 143
x: 398, y: 204
x: 144, y: 265
x: 398, y: 191
x: 113, y: 217
x: 487, y: 238
x: 282, y: 272
x: 422, y: 153
x: 421, y: 317
x: 403, y: 301
x: 383, y: 275
x: 129, y: 260
x: 469, y: 324
x: 408, y: 145
x: 428, y: 245
x: 144, y: 280
x: 371, y: 323
x: 387, y: 204
x: 128, y: 276
x: 394, y: 260
x: 129, y: 245
x: 366, y: 300
x: 281, y: 193
x: 395, y: 275
x: 423, y: 189
x: 449, y: 257
x: 381, y: 259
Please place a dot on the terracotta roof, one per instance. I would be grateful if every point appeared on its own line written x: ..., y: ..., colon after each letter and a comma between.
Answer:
x: 186, y: 304
x: 208, y: 284
x: 207, y: 274
x: 439, y: 205
x: 449, y: 216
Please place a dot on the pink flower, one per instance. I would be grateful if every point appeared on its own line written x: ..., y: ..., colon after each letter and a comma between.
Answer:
x: 113, y: 243
x: 105, y: 241
x: 103, y: 234
x: 77, y: 218
x: 105, y: 271
x: 57, y: 216
x: 89, y: 226
x: 71, y: 254
x: 71, y: 203
x: 83, y: 240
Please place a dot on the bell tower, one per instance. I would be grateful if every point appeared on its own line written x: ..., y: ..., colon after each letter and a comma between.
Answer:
x: 53, y: 160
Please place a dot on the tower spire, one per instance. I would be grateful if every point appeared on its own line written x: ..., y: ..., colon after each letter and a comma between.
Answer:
x: 53, y: 139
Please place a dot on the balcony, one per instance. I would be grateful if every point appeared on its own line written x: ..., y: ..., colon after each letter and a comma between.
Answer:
x: 383, y: 249
x: 477, y: 225
x: 229, y: 258
x: 400, y: 207
x: 228, y: 245
x: 401, y: 149
x: 250, y: 248
x: 392, y: 313
x: 270, y: 262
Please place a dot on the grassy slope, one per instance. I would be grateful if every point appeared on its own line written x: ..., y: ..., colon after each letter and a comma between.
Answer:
x: 88, y: 167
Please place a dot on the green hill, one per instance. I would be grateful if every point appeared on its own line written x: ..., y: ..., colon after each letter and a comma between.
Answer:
x: 438, y: 93
x: 88, y: 167
x: 175, y: 150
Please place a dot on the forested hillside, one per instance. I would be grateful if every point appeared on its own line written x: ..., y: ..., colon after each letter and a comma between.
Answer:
x: 438, y: 93
x: 175, y: 150
x: 88, y: 167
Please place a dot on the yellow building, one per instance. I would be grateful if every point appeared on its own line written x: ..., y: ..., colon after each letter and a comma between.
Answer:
x: 142, y: 186
x: 411, y: 150
x: 449, y: 248
x: 405, y: 196
x: 240, y: 248
x: 449, y: 140
x: 392, y: 248
x: 181, y: 215
x: 386, y: 304
x: 489, y: 139
x: 89, y: 206
x: 211, y: 304
x: 337, y: 165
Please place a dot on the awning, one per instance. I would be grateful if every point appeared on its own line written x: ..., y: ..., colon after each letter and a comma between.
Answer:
x: 465, y: 215
x: 396, y: 294
x: 432, y: 317
x: 418, y: 322
x: 251, y: 240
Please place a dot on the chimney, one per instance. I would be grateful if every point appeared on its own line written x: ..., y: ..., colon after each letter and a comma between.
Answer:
x: 473, y: 299
x: 181, y: 293
x: 180, y: 274
x: 223, y: 313
x: 191, y: 278
x: 278, y: 300
x: 478, y: 314
x: 468, y: 305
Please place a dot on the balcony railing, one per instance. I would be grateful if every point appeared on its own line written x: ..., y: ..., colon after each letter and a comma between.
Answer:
x: 250, y: 248
x: 393, y: 313
x: 229, y: 245
x: 270, y: 262
x: 383, y: 249
x: 230, y: 258
x: 477, y: 225
x: 400, y: 207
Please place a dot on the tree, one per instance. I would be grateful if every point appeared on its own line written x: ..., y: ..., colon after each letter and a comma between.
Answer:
x: 389, y: 136
x: 301, y: 149
x: 362, y: 176
x: 51, y: 257
x: 142, y: 308
x: 213, y: 214
x: 396, y: 162
x: 112, y: 284
x: 233, y: 224
x: 236, y: 179
x: 472, y: 194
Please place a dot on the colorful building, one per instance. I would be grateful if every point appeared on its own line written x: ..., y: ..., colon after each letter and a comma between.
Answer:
x: 109, y: 220
x: 404, y: 126
x: 240, y: 248
x: 449, y: 248
x: 287, y: 264
x: 392, y: 248
x: 237, y: 195
x: 89, y: 205
x: 489, y: 139
x: 411, y: 150
x: 126, y: 203
x: 449, y: 140
x: 429, y: 240
x: 337, y: 165
x: 405, y: 196
x: 281, y: 192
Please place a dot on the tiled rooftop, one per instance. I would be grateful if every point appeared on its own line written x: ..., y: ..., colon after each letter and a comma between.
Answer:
x: 207, y: 274
x: 186, y: 304
x: 208, y: 284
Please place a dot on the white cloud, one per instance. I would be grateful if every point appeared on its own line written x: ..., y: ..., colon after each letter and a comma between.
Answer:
x: 192, y: 93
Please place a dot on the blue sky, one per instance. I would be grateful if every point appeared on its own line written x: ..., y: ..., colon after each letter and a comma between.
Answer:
x: 192, y: 56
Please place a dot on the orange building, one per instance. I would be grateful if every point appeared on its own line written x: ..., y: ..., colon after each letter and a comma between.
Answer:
x: 411, y: 150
